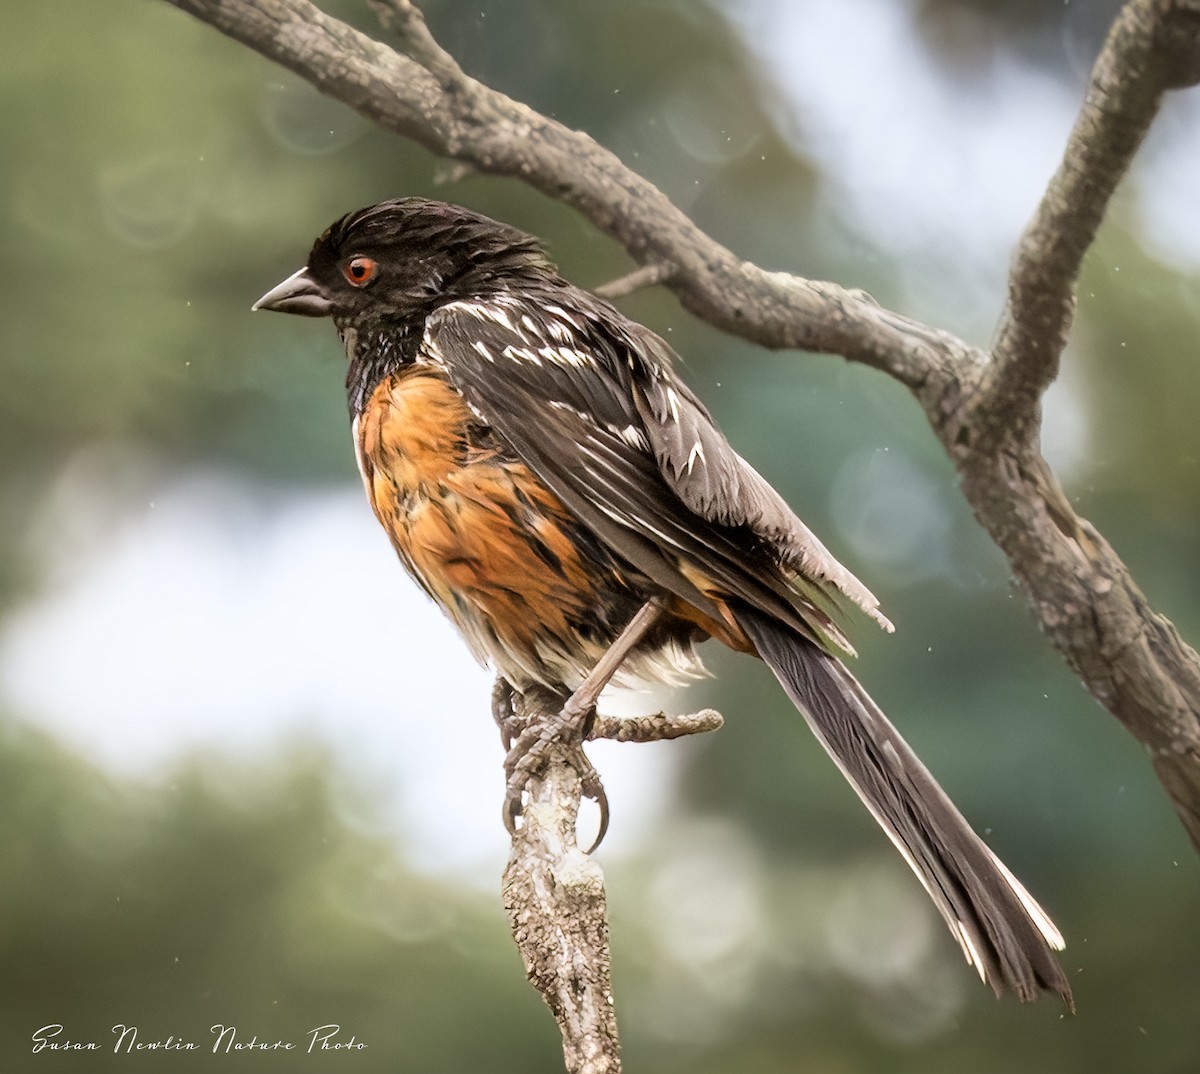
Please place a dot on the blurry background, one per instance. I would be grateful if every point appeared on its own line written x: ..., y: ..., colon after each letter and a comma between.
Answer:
x: 247, y: 774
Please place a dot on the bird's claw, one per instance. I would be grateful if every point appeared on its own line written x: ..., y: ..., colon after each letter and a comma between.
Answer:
x: 593, y: 788
x: 530, y: 750
x: 504, y: 712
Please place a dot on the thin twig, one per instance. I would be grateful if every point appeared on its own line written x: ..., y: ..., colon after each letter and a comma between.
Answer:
x: 404, y: 20
x: 647, y: 276
x: 657, y: 727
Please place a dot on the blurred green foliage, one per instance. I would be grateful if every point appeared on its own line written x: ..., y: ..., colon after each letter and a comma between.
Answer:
x: 245, y: 901
x: 156, y: 178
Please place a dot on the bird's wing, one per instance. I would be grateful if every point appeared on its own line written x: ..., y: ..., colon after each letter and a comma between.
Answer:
x: 718, y: 484
x: 572, y: 402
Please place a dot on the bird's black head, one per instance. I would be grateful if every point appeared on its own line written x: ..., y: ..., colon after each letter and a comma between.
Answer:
x: 392, y: 264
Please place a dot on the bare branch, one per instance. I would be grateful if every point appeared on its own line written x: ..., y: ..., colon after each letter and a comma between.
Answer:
x: 1152, y: 47
x: 646, y: 276
x: 408, y: 24
x: 656, y: 728
x: 554, y: 897
x: 456, y: 116
x: 1130, y: 658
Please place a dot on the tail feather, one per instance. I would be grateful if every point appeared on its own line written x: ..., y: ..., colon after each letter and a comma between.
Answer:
x: 1003, y: 932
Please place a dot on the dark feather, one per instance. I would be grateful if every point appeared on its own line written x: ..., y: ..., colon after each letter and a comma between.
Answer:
x: 1003, y: 932
x: 719, y: 485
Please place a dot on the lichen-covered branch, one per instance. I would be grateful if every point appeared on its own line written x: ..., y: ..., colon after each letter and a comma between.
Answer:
x: 553, y: 891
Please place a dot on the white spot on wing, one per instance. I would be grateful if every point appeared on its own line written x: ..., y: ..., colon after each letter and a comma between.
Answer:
x: 578, y: 359
x: 558, y: 404
x: 476, y: 411
x: 499, y: 316
x: 473, y: 308
x: 673, y: 402
x: 432, y: 351
x: 633, y: 436
x: 522, y: 354
x: 563, y: 315
x: 560, y: 331
x: 488, y: 311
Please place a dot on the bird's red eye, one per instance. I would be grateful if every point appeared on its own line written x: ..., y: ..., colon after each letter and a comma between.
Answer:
x: 360, y: 271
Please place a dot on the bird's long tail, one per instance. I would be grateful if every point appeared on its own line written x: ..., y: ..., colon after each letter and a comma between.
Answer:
x: 1004, y: 934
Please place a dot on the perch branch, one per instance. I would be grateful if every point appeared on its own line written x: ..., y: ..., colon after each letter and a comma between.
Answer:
x: 656, y: 728
x: 554, y: 897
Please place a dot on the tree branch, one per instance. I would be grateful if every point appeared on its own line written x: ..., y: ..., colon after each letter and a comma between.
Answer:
x: 554, y: 897
x: 657, y: 728
x: 1151, y: 48
x: 456, y: 116
x: 1130, y: 658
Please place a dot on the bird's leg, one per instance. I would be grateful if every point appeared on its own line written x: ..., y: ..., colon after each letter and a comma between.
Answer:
x: 572, y: 723
x: 582, y: 703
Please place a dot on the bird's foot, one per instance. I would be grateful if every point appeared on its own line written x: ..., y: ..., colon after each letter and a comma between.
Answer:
x: 567, y: 728
x: 531, y: 742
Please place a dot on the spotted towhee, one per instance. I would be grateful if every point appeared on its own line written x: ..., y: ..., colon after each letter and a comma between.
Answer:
x: 553, y: 485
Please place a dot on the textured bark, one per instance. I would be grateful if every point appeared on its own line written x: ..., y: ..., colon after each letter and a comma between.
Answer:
x: 984, y: 407
x: 554, y: 897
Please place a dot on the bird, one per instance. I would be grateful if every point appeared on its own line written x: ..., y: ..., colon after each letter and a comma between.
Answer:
x: 550, y: 481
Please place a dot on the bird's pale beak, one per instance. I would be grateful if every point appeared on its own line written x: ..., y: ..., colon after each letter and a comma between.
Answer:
x: 300, y: 294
